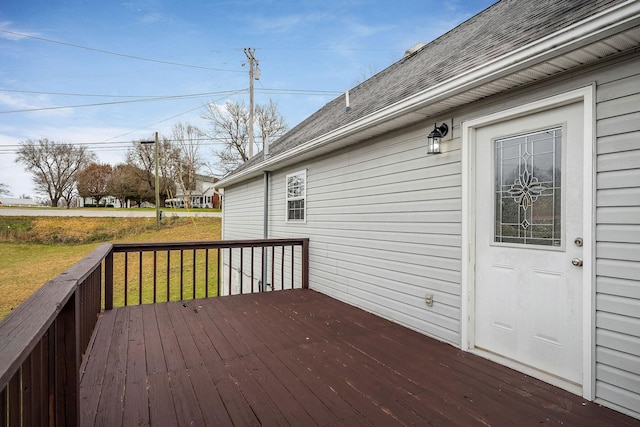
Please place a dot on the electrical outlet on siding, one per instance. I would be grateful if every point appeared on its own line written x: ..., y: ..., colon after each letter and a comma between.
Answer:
x: 428, y: 299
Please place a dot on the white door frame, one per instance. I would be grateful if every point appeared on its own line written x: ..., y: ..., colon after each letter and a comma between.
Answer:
x: 584, y: 95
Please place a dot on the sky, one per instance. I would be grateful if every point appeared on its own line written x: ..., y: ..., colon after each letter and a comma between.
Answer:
x: 107, y: 73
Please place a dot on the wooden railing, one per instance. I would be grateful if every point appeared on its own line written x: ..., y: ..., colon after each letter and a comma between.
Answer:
x: 41, y: 346
x: 43, y: 341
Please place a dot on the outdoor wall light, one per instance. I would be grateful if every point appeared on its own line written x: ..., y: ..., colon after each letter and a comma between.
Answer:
x: 434, y: 138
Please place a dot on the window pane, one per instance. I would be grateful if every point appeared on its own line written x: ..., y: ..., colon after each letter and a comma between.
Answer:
x: 295, y: 209
x: 295, y: 186
x: 528, y: 189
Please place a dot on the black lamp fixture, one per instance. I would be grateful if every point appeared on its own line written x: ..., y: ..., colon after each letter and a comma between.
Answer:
x: 434, y: 138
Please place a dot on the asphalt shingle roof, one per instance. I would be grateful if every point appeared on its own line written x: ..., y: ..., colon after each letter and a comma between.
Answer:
x: 503, y: 27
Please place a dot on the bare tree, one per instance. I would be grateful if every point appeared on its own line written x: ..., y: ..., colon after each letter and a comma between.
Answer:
x: 271, y: 123
x: 4, y: 190
x: 187, y: 140
x: 54, y: 166
x: 230, y: 127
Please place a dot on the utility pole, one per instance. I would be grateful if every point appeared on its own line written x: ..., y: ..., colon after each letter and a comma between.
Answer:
x: 157, y: 183
x: 254, y: 73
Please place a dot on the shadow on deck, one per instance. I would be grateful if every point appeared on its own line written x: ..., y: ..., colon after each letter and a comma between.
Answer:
x: 299, y: 357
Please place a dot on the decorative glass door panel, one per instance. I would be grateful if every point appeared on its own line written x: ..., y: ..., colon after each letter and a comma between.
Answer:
x: 528, y: 189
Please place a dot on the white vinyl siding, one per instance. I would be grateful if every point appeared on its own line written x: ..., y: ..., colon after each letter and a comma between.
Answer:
x: 242, y: 215
x: 384, y: 225
x: 618, y: 239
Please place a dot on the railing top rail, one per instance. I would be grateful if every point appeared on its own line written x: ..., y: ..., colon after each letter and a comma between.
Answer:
x: 204, y: 244
x: 23, y: 327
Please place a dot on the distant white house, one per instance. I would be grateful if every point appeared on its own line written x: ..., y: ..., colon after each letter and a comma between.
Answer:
x: 204, y: 195
x: 110, y: 201
x: 12, y: 201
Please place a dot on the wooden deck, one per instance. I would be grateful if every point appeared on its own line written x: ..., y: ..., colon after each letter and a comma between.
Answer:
x: 301, y: 358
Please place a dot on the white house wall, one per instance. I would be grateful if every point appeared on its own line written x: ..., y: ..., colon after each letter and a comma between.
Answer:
x: 384, y: 222
x: 242, y: 213
x: 384, y: 230
x: 243, y: 219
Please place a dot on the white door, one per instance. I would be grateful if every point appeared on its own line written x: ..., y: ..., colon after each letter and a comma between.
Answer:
x: 529, y: 215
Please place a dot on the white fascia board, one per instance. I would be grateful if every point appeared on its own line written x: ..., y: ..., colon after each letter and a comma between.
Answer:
x: 605, y: 23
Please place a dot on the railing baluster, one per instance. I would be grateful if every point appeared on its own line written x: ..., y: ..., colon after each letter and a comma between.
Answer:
x: 252, y: 290
x: 230, y: 267
x: 206, y: 273
x: 38, y: 386
x: 241, y: 271
x: 140, y: 276
x: 126, y: 277
x: 218, y: 273
x: 194, y: 275
x: 3, y: 407
x: 155, y: 276
x: 263, y: 273
x: 282, y: 269
x: 181, y: 274
x: 14, y: 400
x: 26, y: 392
x: 273, y: 268
x: 292, y: 265
x: 168, y: 275
x: 305, y: 264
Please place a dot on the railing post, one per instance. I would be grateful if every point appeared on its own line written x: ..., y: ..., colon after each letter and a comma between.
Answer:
x: 108, y: 281
x: 305, y: 263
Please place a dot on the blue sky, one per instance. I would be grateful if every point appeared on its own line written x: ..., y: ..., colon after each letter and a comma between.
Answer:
x: 79, y: 53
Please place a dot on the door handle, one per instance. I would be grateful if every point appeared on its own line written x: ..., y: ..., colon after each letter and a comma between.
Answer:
x: 577, y: 262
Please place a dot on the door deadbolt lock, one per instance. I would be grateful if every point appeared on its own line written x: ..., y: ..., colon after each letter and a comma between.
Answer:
x: 577, y: 262
x: 578, y: 241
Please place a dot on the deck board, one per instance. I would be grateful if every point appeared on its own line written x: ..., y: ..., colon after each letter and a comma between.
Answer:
x: 298, y: 357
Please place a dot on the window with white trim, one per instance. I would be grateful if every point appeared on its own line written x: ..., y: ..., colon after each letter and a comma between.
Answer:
x: 296, y: 196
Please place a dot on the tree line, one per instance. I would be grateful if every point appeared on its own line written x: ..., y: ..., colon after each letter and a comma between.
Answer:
x: 64, y: 170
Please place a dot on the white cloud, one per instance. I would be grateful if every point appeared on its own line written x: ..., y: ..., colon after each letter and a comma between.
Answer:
x: 37, y: 105
x: 13, y: 33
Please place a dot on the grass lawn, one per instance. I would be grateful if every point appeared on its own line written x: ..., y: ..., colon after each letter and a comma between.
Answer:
x: 24, y: 267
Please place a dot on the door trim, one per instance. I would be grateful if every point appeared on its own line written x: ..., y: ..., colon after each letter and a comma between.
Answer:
x: 469, y: 127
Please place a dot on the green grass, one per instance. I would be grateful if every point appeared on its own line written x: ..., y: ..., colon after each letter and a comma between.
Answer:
x: 25, y: 266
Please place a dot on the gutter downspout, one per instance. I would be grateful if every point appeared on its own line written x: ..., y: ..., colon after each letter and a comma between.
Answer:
x: 265, y: 221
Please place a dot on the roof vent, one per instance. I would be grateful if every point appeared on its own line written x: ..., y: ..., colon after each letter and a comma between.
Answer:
x: 413, y: 49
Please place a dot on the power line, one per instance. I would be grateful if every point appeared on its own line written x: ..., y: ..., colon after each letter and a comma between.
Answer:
x: 110, y: 145
x: 123, y: 55
x: 174, y: 116
x: 105, y: 95
x: 116, y: 145
x: 284, y: 91
x: 153, y: 98
x: 100, y: 104
x: 101, y: 95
